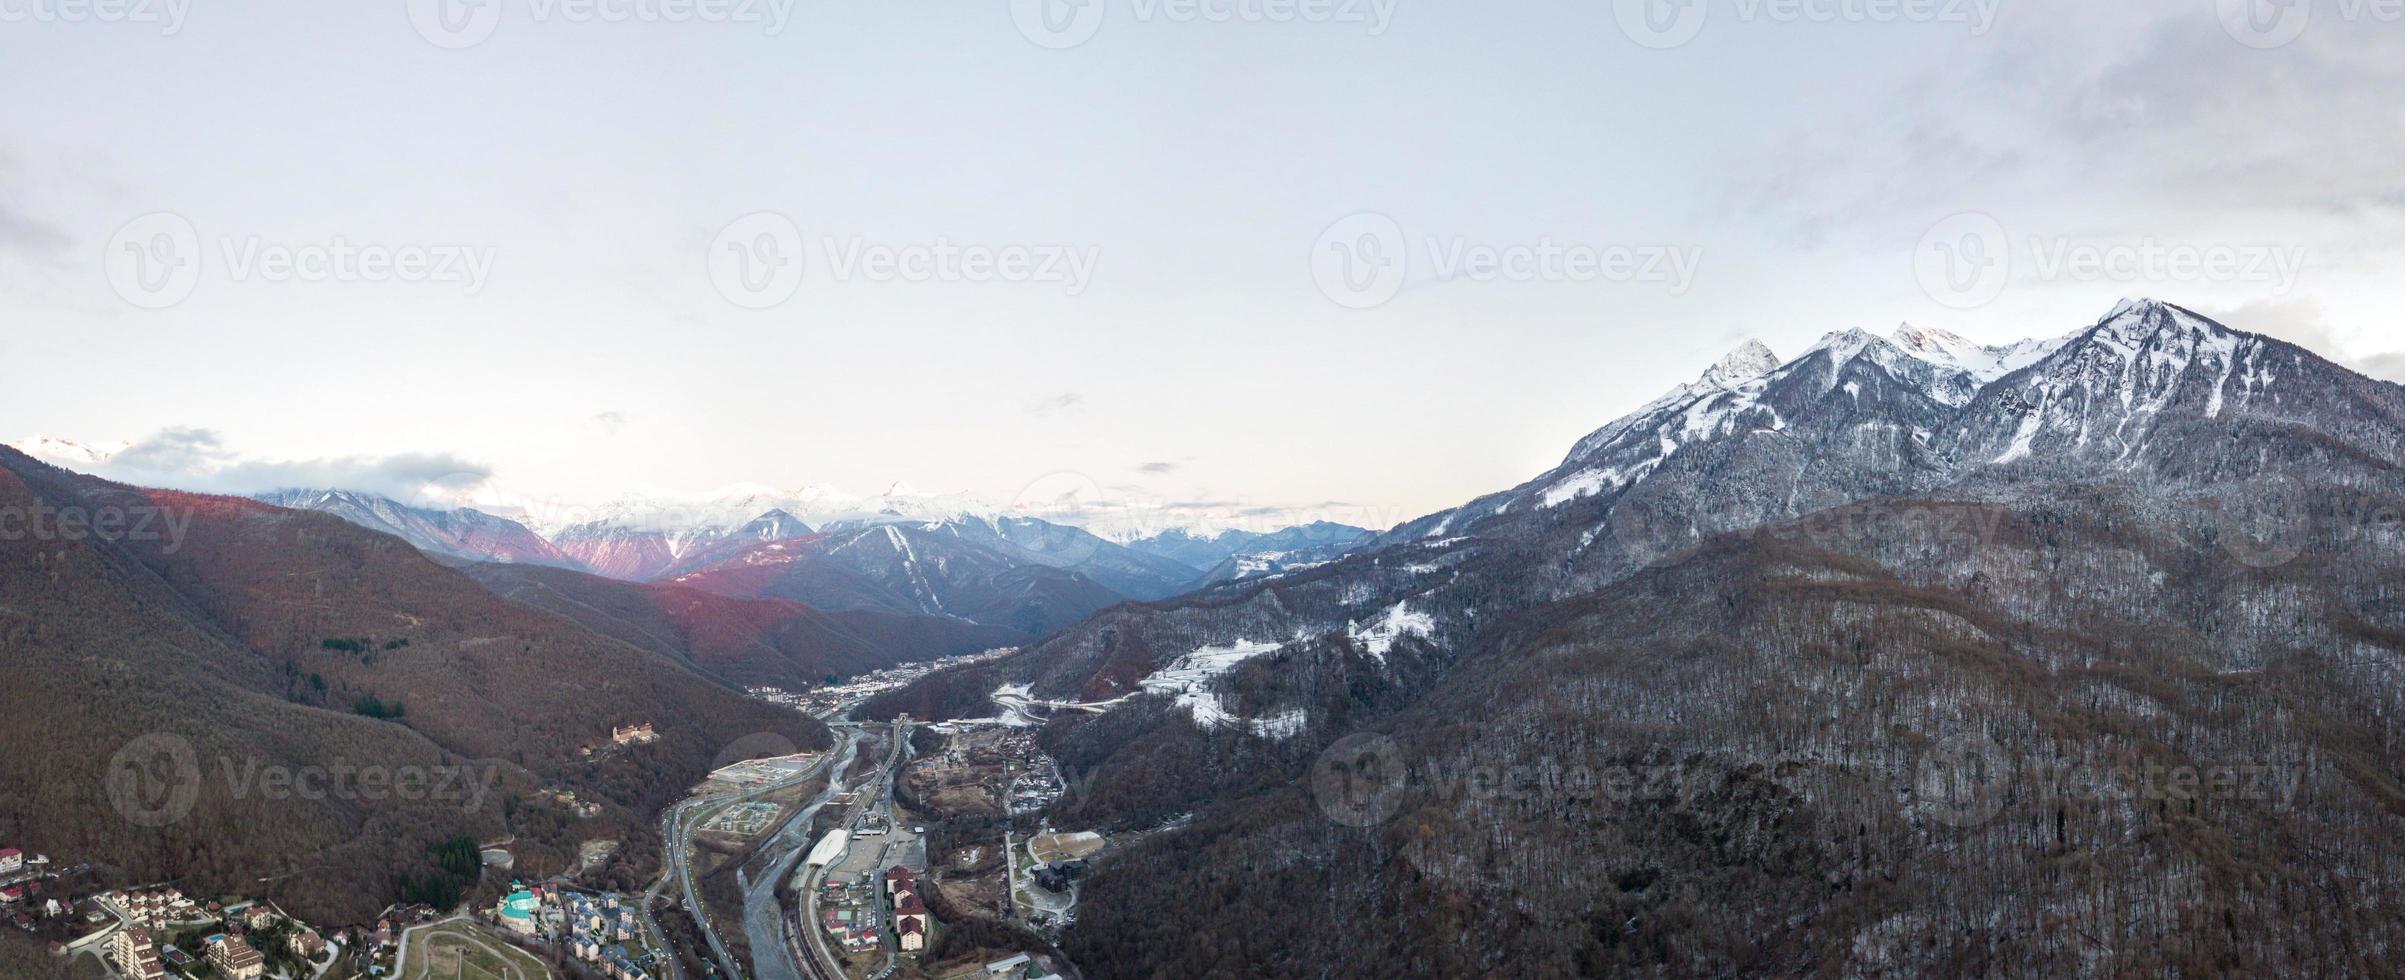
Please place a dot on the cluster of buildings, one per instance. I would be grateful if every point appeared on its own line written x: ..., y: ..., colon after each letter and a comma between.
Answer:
x: 137, y: 956
x: 155, y: 909
x: 834, y: 699
x: 847, y: 911
x: 596, y: 929
x: 1036, y: 787
x: 634, y: 734
x: 910, y: 912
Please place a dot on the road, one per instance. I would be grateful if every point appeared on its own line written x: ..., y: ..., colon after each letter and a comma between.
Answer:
x: 677, y: 825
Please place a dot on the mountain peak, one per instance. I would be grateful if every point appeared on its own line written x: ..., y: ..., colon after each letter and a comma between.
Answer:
x: 2137, y: 323
x: 1918, y: 339
x: 2140, y: 307
x: 1845, y: 345
x: 1748, y: 361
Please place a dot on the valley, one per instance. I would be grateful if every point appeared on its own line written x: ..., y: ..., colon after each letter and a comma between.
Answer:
x: 1808, y: 651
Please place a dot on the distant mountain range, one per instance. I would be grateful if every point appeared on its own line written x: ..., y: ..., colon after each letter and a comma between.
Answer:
x: 1796, y: 669
x: 902, y: 552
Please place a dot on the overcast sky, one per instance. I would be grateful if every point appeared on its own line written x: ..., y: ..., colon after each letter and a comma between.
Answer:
x: 1360, y: 258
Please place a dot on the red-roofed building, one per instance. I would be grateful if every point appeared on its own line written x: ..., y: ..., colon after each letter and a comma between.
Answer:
x: 11, y: 860
x: 910, y: 918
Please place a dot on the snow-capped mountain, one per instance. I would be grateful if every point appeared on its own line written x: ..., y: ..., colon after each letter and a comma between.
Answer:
x: 654, y: 533
x: 2151, y: 396
x: 723, y: 511
x: 466, y: 535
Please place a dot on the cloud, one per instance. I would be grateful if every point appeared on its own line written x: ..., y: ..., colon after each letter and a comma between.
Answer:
x: 2119, y: 119
x: 2386, y: 367
x: 199, y: 459
x: 1055, y: 405
x: 1158, y: 468
x: 2302, y: 321
x: 610, y: 422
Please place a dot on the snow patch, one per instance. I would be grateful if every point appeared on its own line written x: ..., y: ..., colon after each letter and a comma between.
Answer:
x: 1398, y: 623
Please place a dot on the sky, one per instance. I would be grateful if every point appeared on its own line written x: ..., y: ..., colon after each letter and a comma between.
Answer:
x: 1352, y: 259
